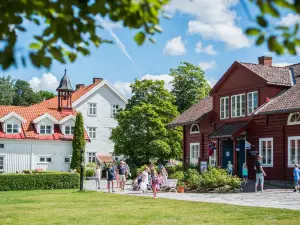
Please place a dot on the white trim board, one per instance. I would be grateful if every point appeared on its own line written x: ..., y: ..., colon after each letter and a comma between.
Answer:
x: 12, y: 114
x: 46, y: 115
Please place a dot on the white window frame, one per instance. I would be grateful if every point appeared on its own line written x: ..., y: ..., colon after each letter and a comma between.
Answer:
x: 91, y: 157
x: 95, y: 132
x: 3, y: 156
x: 290, y: 117
x: 46, y: 157
x: 92, y: 106
x: 194, y: 132
x: 226, y: 111
x: 70, y: 130
x: 261, y: 140
x: 241, y: 108
x: 295, y: 138
x: 253, y: 108
x: 194, y: 161
x: 114, y: 110
x: 13, y: 127
x: 46, y: 126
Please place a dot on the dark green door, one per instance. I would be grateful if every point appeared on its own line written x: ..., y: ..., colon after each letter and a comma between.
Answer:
x: 240, y: 156
x: 227, y: 153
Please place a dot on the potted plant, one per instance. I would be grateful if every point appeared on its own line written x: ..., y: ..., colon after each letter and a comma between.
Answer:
x: 181, y: 186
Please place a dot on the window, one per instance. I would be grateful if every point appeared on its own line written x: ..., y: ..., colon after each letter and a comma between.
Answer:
x: 252, y: 98
x: 12, y: 128
x: 213, y: 159
x: 224, y: 107
x: 238, y: 105
x: 92, y: 132
x: 69, y: 130
x: 293, y: 151
x: 1, y: 163
x: 266, y: 151
x: 194, y: 129
x: 45, y: 129
x: 115, y: 109
x: 1, y: 145
x: 44, y: 159
x: 92, y: 157
x: 67, y: 159
x: 294, y: 119
x: 92, y: 109
x: 194, y: 153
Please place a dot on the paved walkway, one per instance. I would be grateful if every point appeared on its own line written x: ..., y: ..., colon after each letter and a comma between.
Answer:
x: 273, y: 198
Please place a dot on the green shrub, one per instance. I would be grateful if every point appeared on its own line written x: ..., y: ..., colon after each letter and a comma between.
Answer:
x: 89, y: 172
x: 177, y: 175
x: 91, y: 165
x: 38, y: 181
x: 192, y: 178
x: 172, y: 169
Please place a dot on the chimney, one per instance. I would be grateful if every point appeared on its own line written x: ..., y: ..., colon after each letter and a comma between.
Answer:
x: 78, y: 86
x: 97, y: 80
x: 265, y: 60
x: 267, y: 99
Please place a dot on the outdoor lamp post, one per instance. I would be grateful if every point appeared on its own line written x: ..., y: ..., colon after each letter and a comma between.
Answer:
x: 81, y: 168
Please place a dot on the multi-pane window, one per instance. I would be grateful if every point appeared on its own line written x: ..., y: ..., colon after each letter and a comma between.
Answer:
x: 294, y: 118
x: 115, y: 109
x: 266, y: 151
x: 92, y: 157
x: 45, y: 129
x: 224, y: 107
x: 92, y: 132
x: 194, y: 129
x: 252, y: 98
x: 1, y: 163
x: 194, y: 153
x: 238, y: 105
x: 294, y: 151
x: 43, y: 159
x: 69, y: 130
x: 92, y: 111
x: 12, y: 128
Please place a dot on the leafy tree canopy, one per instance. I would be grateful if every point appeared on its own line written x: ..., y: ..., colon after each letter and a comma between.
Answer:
x: 6, y: 90
x: 24, y: 95
x: 189, y: 85
x: 69, y: 27
x: 141, y: 134
x: 45, y: 95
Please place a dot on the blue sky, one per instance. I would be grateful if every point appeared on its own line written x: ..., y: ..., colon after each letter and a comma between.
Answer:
x: 208, y: 33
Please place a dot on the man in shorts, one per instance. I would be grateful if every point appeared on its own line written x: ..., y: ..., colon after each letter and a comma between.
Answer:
x: 260, y: 174
x: 122, y: 175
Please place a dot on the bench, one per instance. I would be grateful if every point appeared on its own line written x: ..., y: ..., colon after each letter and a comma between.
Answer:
x: 172, y: 184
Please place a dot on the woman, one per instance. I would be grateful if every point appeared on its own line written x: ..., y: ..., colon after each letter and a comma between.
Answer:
x: 154, y: 181
x: 110, y: 177
x: 164, y: 176
x: 97, y: 177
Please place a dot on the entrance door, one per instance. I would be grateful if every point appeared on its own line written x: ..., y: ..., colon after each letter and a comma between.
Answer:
x: 227, y: 153
x: 240, y: 156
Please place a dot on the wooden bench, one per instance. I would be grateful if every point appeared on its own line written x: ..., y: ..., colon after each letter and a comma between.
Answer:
x: 172, y: 184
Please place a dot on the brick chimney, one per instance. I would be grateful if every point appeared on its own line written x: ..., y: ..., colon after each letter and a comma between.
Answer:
x: 78, y: 86
x: 97, y: 80
x: 265, y: 60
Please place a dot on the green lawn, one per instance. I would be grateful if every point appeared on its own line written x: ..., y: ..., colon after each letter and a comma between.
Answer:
x: 72, y: 207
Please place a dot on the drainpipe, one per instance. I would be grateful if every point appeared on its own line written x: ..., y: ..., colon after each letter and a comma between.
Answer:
x: 284, y: 155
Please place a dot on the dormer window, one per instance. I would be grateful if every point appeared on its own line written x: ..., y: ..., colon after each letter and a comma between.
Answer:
x: 12, y: 128
x: 69, y: 130
x: 45, y: 129
x: 195, y: 129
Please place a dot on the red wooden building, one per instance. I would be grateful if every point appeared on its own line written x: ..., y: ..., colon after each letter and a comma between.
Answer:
x: 251, y: 103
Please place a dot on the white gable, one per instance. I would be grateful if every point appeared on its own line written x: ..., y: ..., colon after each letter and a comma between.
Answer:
x: 45, y: 116
x: 12, y: 114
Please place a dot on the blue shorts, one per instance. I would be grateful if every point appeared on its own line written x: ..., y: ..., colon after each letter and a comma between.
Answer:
x: 296, y: 182
x: 245, y: 176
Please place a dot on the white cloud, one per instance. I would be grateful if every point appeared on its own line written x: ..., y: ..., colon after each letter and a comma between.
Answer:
x: 175, y: 46
x: 47, y: 82
x: 124, y: 88
x: 289, y: 20
x: 211, y: 81
x: 208, y: 49
x: 207, y: 65
x: 214, y: 19
x: 165, y: 77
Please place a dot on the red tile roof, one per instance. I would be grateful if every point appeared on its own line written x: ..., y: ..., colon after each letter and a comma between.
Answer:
x: 195, y: 113
x: 28, y: 131
x: 52, y: 103
x: 105, y: 158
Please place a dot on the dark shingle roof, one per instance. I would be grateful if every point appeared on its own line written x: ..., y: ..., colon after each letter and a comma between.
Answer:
x: 195, y: 113
x: 65, y: 84
x: 272, y: 74
x: 296, y: 69
x: 227, y: 130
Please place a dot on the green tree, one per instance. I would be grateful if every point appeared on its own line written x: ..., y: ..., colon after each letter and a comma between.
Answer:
x: 24, y: 95
x: 78, y: 143
x: 45, y: 95
x: 69, y: 28
x: 6, y: 90
x: 189, y: 85
x: 141, y: 133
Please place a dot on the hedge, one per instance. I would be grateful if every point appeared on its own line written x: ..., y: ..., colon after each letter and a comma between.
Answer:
x: 41, y: 181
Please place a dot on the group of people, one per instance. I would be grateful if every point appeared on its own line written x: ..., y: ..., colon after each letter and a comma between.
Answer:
x: 151, y: 179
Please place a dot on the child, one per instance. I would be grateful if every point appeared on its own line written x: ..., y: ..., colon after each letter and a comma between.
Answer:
x: 245, y: 174
x: 97, y: 176
x: 139, y: 177
x: 117, y: 177
x: 229, y: 168
x: 160, y: 180
x: 296, y: 177
x: 154, y: 181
